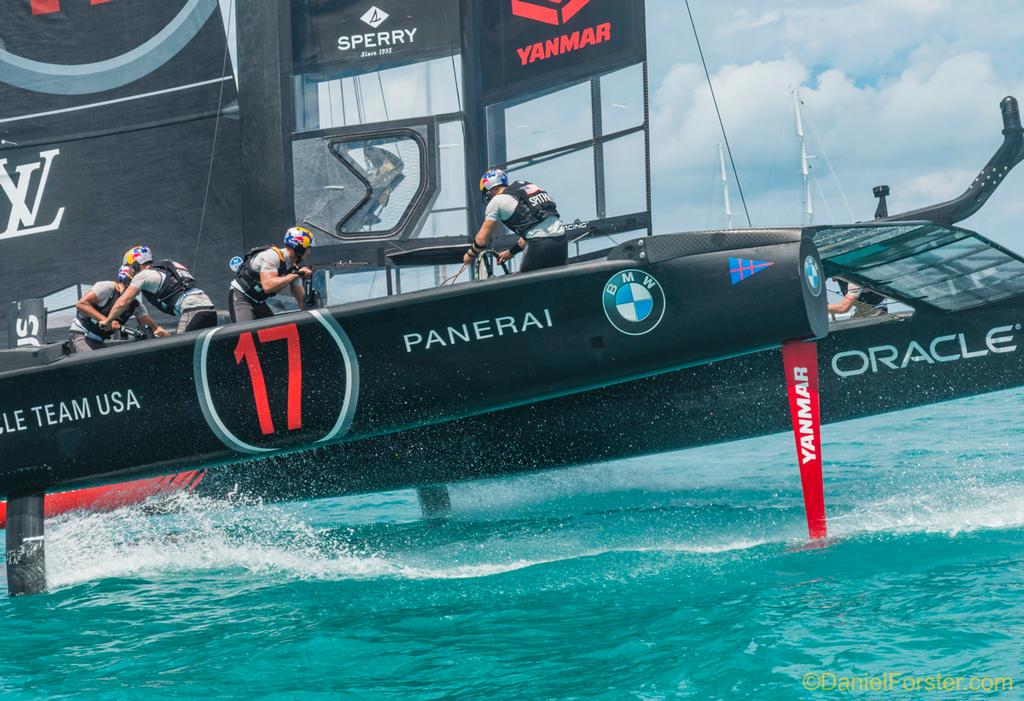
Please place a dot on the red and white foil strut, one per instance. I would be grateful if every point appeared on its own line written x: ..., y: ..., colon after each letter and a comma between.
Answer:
x: 801, y: 362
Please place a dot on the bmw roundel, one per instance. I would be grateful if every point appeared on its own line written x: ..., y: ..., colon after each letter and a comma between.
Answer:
x: 634, y: 302
x: 235, y: 264
x: 812, y: 273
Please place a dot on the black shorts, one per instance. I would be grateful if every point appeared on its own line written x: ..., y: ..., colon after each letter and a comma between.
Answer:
x: 548, y: 252
x: 241, y: 308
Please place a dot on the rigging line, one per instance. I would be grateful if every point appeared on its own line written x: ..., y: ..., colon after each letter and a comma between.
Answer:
x: 458, y: 88
x: 383, y: 98
x: 451, y: 280
x: 721, y: 123
x: 821, y: 148
x: 216, y: 133
x: 824, y: 200
x: 711, y: 194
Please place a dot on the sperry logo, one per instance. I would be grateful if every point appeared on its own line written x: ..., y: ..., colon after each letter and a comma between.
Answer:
x: 25, y: 205
x: 546, y: 11
x: 382, y: 43
x: 375, y: 17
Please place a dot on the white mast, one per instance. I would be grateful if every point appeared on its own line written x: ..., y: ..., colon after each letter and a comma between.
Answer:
x: 805, y: 161
x: 725, y: 187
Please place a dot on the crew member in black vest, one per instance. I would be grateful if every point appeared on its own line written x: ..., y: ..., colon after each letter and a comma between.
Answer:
x: 85, y: 333
x: 267, y: 270
x: 169, y: 287
x: 863, y: 301
x: 530, y: 213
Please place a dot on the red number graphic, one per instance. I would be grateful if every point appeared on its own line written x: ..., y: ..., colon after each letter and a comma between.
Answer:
x: 246, y: 350
x: 45, y: 7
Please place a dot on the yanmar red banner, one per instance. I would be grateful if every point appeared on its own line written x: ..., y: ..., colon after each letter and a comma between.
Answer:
x: 544, y: 42
x: 801, y: 363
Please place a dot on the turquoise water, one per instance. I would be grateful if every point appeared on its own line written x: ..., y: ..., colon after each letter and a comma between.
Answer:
x: 677, y: 576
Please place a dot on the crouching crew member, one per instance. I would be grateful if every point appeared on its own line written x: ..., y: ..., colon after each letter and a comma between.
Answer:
x: 169, y: 287
x: 528, y: 212
x: 267, y: 270
x: 861, y: 300
x: 85, y: 333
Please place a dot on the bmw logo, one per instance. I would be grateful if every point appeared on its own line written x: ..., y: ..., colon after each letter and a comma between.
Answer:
x: 235, y: 264
x: 634, y: 302
x: 812, y: 273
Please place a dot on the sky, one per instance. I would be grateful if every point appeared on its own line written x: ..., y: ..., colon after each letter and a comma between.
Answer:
x: 898, y: 92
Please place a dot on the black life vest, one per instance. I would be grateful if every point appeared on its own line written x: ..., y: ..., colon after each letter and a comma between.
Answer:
x: 172, y: 289
x: 93, y: 326
x: 868, y: 297
x: 249, y: 279
x: 535, y: 205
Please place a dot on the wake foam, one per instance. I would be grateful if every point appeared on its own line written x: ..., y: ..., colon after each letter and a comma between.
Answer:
x: 206, y: 535
x: 193, y: 534
x: 949, y: 510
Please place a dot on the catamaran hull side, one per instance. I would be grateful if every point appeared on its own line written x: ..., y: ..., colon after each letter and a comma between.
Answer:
x: 327, y: 376
x: 883, y: 366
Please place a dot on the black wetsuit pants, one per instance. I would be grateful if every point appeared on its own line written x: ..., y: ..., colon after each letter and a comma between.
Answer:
x: 242, y: 308
x: 545, y: 253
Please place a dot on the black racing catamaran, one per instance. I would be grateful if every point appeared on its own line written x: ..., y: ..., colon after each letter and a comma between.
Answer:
x: 369, y: 122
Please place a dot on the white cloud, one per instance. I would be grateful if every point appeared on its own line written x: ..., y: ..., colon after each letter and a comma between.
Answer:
x: 904, y: 93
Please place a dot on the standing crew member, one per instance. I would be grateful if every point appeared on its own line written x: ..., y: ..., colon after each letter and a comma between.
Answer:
x: 530, y: 213
x: 267, y: 270
x: 169, y: 287
x: 85, y: 333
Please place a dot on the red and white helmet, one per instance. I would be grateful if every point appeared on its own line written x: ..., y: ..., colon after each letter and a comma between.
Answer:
x: 137, y: 256
x: 490, y: 180
x: 298, y: 238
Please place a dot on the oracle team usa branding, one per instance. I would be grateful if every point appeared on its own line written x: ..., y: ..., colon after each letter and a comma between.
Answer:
x: 948, y: 348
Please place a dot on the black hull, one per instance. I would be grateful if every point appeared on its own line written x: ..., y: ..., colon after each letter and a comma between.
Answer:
x: 285, y: 385
x: 970, y: 353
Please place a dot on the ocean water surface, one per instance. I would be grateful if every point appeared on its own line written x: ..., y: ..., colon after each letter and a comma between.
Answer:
x: 684, y: 575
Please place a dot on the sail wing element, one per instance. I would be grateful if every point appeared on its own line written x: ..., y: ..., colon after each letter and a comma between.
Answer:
x: 926, y: 265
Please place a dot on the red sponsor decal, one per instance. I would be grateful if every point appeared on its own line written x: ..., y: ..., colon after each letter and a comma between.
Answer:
x: 245, y: 350
x: 45, y: 7
x: 801, y: 363
x: 565, y: 44
x: 547, y: 11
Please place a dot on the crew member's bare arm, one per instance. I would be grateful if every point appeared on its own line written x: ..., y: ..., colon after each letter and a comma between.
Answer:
x: 842, y: 306
x: 300, y: 295
x: 506, y: 256
x: 119, y: 306
x: 482, y: 239
x: 272, y: 283
x: 87, y: 305
x: 158, y: 330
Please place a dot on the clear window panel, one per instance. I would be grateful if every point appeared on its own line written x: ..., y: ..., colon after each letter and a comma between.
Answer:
x: 622, y: 100
x: 348, y: 287
x: 437, y: 224
x: 387, y: 170
x: 417, y: 90
x: 625, y: 176
x: 570, y: 182
x: 548, y: 122
x: 414, y: 279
